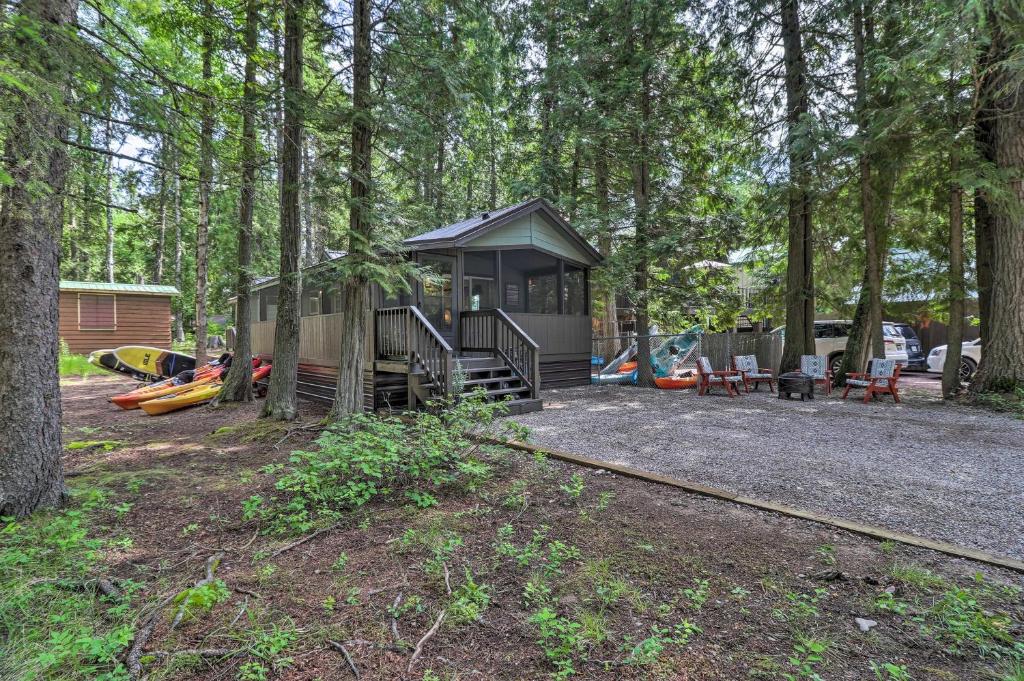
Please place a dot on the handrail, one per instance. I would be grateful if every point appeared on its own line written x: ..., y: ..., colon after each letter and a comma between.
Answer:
x: 438, y: 338
x: 405, y: 332
x: 492, y: 330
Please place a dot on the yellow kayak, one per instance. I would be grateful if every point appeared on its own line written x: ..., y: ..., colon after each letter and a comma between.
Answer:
x: 198, y: 394
x: 154, y: 361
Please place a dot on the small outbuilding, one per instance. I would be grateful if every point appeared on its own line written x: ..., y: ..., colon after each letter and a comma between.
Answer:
x: 99, y: 315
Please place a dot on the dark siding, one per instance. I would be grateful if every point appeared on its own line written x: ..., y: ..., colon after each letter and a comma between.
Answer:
x: 564, y: 373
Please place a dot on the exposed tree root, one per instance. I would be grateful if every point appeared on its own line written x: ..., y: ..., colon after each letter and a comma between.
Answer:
x: 302, y: 541
x: 211, y: 567
x: 423, y: 641
x: 348, y: 658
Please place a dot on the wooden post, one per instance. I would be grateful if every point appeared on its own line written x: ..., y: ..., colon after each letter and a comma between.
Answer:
x: 410, y: 392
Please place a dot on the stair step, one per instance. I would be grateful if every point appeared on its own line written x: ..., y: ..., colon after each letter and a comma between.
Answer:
x: 492, y: 379
x: 507, y: 391
x: 482, y: 369
x: 524, y: 406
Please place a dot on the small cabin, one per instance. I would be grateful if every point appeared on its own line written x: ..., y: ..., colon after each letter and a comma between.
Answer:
x: 100, y: 315
x: 506, y: 310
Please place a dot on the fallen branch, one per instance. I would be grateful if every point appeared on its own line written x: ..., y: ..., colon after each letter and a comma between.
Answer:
x: 447, y: 579
x: 394, y: 618
x: 103, y: 585
x: 348, y: 658
x: 297, y: 429
x: 198, y: 652
x: 302, y: 541
x: 241, y: 611
x: 423, y: 641
x: 211, y: 566
x: 246, y: 592
x: 133, y: 661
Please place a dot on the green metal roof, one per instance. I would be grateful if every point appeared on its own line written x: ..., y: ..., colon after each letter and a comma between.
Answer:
x: 107, y: 287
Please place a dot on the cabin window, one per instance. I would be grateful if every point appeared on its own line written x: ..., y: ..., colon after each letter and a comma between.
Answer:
x: 574, y: 290
x: 311, y: 303
x: 437, y: 292
x: 97, y: 312
x: 271, y: 298
x: 479, y: 282
x: 331, y: 301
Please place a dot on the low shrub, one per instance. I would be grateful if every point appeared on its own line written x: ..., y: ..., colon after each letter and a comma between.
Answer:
x: 368, y: 456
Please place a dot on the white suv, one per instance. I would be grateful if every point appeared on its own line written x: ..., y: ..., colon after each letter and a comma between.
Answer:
x: 830, y: 336
x: 970, y: 358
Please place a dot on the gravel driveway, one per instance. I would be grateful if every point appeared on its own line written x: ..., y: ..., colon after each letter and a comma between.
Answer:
x: 923, y: 467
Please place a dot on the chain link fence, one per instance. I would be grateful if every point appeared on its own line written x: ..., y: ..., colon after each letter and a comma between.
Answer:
x: 614, y: 357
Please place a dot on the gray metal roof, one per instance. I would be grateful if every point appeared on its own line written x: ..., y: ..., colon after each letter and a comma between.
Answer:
x: 461, y: 233
x: 459, y: 229
x: 109, y: 287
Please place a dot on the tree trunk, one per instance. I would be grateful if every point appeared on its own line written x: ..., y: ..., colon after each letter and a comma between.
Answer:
x: 161, y: 236
x: 1002, y: 360
x: 282, y: 400
x: 800, y: 262
x: 238, y: 384
x: 492, y: 194
x: 609, y: 318
x: 108, y: 197
x: 205, y: 180
x: 355, y: 290
x: 179, y: 313
x: 31, y: 207
x: 983, y: 232
x: 641, y: 172
x: 865, y: 338
x: 439, y: 175
x: 955, y: 330
x: 307, y: 208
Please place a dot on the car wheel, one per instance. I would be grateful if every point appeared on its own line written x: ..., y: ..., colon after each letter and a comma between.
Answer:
x: 835, y: 362
x: 967, y: 368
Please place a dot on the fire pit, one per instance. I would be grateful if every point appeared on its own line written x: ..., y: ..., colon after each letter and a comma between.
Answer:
x: 796, y: 383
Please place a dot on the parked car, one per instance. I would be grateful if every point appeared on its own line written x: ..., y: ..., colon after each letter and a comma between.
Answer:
x: 830, y: 336
x: 916, y: 359
x: 970, y: 358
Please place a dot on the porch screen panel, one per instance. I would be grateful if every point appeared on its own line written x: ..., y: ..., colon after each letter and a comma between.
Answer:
x: 479, y: 284
x: 574, y: 290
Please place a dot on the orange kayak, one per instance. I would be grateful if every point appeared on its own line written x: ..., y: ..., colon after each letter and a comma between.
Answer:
x: 192, y: 395
x: 627, y: 368
x: 676, y: 382
x: 171, y: 386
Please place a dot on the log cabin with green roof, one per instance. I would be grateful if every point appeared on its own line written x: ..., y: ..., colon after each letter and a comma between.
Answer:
x: 507, y: 310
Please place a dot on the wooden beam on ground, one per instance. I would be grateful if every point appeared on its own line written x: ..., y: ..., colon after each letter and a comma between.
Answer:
x: 872, y: 531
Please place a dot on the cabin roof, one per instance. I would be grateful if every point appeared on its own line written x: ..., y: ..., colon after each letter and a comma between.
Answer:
x: 109, y: 287
x: 461, y: 233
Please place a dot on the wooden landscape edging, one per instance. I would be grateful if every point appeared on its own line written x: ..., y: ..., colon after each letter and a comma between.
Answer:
x: 857, y: 528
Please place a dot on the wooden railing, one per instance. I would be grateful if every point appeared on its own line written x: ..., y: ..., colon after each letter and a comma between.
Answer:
x: 404, y: 333
x: 493, y: 331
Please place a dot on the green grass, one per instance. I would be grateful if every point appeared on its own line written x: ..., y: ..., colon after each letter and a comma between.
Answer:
x: 77, y: 365
x: 106, y: 445
x: 52, y: 622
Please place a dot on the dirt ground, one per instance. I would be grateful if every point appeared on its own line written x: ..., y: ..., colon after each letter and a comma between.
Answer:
x: 616, y: 578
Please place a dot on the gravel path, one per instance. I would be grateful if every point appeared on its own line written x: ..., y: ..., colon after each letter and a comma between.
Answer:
x: 949, y: 473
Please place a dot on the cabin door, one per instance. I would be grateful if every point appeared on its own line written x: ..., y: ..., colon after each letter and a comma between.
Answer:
x: 439, y: 294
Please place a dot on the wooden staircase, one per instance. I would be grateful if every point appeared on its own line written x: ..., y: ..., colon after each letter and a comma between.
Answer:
x: 411, y: 365
x: 412, y: 358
